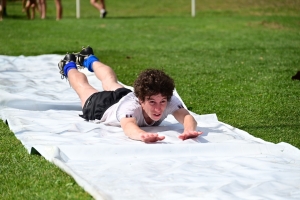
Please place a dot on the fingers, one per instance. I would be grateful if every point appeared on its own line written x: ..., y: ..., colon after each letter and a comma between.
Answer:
x: 154, y: 137
x: 190, y: 134
x: 151, y: 137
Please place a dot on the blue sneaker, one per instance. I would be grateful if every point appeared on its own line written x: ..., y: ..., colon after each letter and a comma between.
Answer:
x: 69, y: 57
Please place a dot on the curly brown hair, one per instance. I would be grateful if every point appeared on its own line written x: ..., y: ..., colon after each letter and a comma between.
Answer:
x: 153, y: 82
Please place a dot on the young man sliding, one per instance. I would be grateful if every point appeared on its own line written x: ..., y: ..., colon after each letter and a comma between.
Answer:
x: 150, y: 103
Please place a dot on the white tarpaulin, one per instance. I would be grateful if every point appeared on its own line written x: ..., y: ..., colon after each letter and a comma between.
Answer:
x: 224, y: 163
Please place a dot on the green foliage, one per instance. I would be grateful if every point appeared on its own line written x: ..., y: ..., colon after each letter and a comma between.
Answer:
x: 235, y: 58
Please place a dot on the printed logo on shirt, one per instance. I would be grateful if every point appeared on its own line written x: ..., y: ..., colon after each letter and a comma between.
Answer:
x: 180, y: 106
x: 128, y: 116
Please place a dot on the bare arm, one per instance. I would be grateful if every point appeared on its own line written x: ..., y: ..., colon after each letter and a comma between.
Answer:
x: 134, y: 132
x: 188, y: 122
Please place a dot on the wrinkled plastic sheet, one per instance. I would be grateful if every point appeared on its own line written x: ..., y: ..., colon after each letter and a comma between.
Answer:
x: 224, y: 163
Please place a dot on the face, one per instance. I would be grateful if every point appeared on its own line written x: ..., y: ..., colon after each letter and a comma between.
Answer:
x: 153, y: 107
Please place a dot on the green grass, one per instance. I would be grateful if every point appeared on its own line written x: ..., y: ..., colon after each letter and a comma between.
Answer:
x: 235, y: 59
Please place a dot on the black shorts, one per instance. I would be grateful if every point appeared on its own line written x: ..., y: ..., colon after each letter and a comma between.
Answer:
x: 99, y: 102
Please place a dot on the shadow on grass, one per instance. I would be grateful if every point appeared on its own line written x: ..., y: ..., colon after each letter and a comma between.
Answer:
x: 142, y: 17
x: 130, y: 17
x: 22, y: 17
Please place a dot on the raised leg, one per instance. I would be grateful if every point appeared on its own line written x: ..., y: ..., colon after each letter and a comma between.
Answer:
x: 80, y: 84
x: 84, y: 90
x: 106, y: 75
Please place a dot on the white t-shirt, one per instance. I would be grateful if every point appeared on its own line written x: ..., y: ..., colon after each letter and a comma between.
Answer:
x: 129, y: 106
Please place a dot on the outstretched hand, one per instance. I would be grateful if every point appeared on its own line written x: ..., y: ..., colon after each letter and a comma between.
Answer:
x: 189, y: 134
x: 151, y: 137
